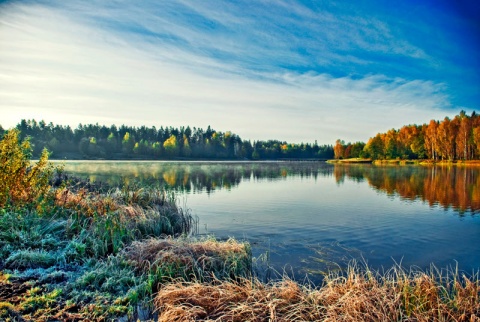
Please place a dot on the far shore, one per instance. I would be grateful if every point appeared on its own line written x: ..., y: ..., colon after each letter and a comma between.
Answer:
x: 405, y: 162
x: 423, y: 162
x: 351, y: 160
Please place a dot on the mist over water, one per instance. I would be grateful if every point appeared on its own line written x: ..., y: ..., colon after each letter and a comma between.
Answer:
x: 305, y: 218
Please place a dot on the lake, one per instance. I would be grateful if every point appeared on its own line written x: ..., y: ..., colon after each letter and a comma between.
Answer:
x: 304, y: 218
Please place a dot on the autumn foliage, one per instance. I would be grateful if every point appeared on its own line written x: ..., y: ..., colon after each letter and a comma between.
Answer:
x: 20, y: 181
x: 449, y: 139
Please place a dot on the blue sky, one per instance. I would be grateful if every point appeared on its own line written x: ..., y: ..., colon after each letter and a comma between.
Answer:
x: 291, y: 70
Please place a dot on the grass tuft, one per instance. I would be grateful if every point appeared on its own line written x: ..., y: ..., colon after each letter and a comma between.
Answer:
x: 24, y: 259
x: 202, y: 259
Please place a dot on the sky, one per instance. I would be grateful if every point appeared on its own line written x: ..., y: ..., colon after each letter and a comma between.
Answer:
x: 296, y: 71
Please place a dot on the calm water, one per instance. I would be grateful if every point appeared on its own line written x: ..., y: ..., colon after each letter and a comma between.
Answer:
x: 307, y: 217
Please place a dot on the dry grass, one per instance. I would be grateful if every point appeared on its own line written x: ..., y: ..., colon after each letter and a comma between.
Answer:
x: 229, y: 301
x: 357, y: 296
x: 351, y: 160
x: 191, y: 259
x: 142, y: 212
x: 129, y: 203
x: 467, y: 163
x: 85, y: 202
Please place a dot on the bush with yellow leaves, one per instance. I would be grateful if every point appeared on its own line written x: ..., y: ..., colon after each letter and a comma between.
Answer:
x: 21, y: 182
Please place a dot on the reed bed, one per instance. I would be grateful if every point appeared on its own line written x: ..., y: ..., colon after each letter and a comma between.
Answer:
x: 359, y: 295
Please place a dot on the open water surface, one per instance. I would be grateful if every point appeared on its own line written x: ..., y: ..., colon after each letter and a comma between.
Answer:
x: 305, y: 218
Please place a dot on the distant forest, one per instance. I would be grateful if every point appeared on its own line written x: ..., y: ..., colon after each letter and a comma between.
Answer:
x: 95, y: 141
x: 450, y: 139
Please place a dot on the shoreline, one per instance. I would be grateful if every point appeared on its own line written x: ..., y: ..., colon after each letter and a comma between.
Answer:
x: 351, y: 161
x: 406, y: 162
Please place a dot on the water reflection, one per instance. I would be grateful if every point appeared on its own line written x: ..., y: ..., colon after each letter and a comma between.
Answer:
x: 455, y: 187
x: 194, y: 177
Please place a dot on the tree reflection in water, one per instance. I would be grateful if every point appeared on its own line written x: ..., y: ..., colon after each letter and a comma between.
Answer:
x: 194, y: 177
x: 455, y: 186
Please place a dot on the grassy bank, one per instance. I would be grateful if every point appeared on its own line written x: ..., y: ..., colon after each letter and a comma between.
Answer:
x: 405, y: 162
x: 90, y: 256
x: 351, y: 160
x: 467, y: 163
x: 73, y: 251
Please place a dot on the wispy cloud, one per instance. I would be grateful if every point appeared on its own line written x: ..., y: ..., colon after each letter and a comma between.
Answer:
x: 205, y: 63
x: 260, y: 35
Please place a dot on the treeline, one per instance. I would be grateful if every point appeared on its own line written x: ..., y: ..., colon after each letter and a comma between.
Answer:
x: 95, y: 141
x: 450, y: 139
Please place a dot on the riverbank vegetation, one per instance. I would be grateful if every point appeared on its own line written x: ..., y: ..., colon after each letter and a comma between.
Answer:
x: 449, y: 139
x: 72, y: 251
x: 356, y: 295
x: 351, y: 160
